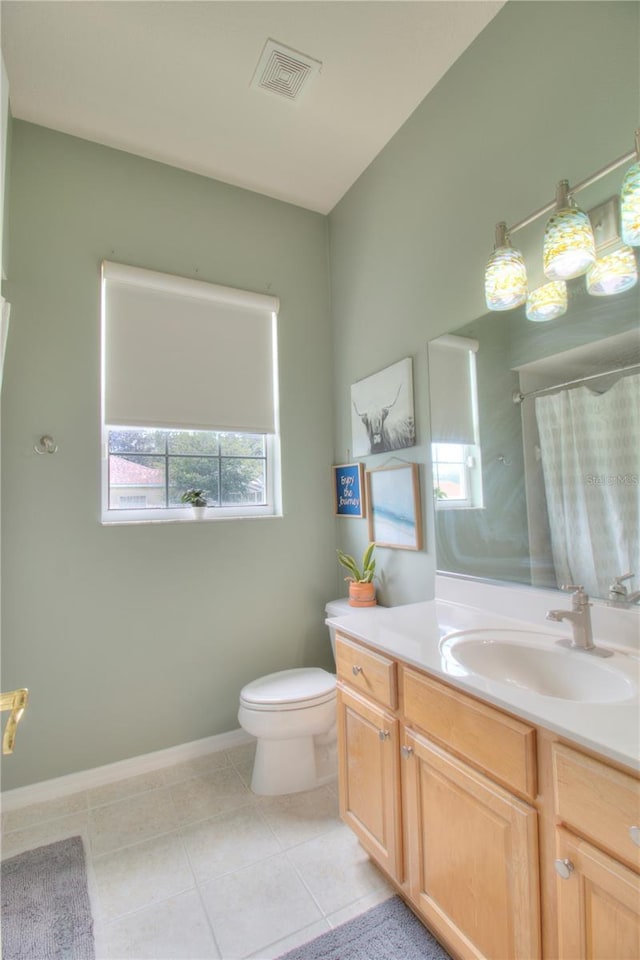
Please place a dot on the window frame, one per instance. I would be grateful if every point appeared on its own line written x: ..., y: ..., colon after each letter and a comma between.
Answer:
x: 272, y: 507
x: 469, y: 452
x: 471, y: 460
x: 201, y: 290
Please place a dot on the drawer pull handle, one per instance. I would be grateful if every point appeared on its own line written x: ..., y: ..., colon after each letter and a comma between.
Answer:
x: 564, y: 868
x: 356, y: 670
x: 407, y: 752
x: 383, y: 735
x: 634, y: 833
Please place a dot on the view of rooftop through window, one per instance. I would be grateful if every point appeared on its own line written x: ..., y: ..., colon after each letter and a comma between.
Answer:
x: 151, y: 469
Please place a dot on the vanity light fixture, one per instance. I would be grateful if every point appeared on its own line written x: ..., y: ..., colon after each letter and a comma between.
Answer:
x: 615, y: 269
x: 569, y: 248
x: 630, y: 201
x: 547, y: 302
x: 569, y: 245
x: 505, y: 278
x: 613, y: 273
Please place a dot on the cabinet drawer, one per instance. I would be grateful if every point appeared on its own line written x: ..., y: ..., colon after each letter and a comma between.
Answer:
x: 501, y: 746
x: 369, y: 672
x: 599, y: 802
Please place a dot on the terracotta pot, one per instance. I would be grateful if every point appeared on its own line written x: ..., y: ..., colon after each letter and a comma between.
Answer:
x: 362, y: 594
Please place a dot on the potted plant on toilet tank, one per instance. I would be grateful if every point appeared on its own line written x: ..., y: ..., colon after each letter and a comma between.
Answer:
x: 197, y: 500
x: 362, y: 591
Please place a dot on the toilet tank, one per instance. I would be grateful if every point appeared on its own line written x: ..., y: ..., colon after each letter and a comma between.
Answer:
x: 336, y: 608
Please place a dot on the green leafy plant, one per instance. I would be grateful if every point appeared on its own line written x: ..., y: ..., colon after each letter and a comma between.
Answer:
x: 195, y: 497
x: 359, y: 574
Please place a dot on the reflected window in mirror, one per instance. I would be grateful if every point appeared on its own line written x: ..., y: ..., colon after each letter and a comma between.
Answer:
x: 455, y: 447
x: 457, y: 478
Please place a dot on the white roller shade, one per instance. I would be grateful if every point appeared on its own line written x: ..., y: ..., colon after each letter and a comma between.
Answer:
x: 182, y: 354
x: 452, y: 389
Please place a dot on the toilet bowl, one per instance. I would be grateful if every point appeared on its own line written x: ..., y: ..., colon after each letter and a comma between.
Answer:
x: 292, y: 714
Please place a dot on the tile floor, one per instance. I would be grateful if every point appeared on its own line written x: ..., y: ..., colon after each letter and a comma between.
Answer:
x: 187, y: 864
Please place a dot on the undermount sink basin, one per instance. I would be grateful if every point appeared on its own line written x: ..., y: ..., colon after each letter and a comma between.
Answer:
x: 533, y: 661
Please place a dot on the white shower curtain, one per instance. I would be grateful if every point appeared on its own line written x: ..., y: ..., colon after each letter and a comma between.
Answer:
x: 590, y: 446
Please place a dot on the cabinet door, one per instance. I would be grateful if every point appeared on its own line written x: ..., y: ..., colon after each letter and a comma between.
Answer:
x: 370, y: 778
x: 598, y: 903
x: 472, y: 856
x: 598, y: 802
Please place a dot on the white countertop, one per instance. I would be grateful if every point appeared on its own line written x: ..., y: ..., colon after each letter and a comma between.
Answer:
x: 413, y: 633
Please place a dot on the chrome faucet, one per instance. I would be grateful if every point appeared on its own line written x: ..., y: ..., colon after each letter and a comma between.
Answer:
x: 580, y: 618
x: 618, y: 593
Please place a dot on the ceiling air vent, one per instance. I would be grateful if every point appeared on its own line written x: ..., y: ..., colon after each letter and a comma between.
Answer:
x: 283, y: 71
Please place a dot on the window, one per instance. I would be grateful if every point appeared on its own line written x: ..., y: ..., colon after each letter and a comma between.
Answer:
x: 454, y: 475
x: 189, y: 397
x: 151, y: 469
x: 455, y: 451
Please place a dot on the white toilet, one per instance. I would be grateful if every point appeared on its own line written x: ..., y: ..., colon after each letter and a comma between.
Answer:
x: 292, y: 714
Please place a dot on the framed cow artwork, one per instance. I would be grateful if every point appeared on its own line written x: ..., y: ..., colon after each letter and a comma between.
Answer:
x: 382, y: 417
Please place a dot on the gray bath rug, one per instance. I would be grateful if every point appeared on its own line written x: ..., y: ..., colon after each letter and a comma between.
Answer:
x: 46, y: 913
x: 389, y: 931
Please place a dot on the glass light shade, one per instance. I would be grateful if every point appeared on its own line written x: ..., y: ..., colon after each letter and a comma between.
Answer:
x: 613, y: 273
x: 505, y: 279
x: 569, y: 247
x: 548, y: 302
x: 630, y: 206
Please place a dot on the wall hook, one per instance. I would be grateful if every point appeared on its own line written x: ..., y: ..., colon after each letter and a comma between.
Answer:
x: 505, y: 461
x: 46, y: 445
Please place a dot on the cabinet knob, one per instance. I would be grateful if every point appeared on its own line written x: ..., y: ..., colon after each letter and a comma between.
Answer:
x: 634, y: 833
x: 406, y: 752
x: 564, y: 868
x: 383, y: 734
x: 356, y: 670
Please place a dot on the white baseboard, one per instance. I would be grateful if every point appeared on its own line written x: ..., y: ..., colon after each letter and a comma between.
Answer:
x: 100, y: 776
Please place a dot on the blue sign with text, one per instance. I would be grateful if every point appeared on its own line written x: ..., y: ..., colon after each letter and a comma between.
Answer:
x: 348, y: 490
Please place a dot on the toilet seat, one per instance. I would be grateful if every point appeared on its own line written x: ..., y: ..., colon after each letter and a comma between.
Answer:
x: 296, y: 689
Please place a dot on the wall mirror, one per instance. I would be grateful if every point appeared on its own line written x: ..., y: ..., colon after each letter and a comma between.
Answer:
x: 543, y: 489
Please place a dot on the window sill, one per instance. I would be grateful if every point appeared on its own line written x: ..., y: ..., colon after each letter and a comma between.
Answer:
x: 157, y: 521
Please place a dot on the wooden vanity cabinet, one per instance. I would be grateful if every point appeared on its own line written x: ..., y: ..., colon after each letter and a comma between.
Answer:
x: 472, y: 843
x: 477, y: 816
x: 462, y: 848
x: 368, y: 738
x: 472, y: 859
x: 597, y: 810
x: 598, y: 903
x: 369, y: 778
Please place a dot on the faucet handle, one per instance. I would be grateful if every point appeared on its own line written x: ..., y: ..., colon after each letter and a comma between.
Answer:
x: 579, y: 597
x: 617, y: 581
x: 616, y: 590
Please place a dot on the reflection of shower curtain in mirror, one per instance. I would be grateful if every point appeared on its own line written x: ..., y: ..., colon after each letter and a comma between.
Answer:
x: 590, y: 446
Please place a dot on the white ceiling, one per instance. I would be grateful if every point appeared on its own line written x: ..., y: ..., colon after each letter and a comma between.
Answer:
x: 171, y: 80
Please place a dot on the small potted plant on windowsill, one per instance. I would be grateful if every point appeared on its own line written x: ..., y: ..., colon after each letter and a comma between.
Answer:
x: 197, y: 500
x: 362, y: 591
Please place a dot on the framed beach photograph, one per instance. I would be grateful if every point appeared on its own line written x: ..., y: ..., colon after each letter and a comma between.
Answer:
x: 393, y: 496
x: 382, y: 416
x: 349, y: 490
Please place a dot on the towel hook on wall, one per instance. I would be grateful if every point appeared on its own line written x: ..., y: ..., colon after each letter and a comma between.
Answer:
x: 46, y: 444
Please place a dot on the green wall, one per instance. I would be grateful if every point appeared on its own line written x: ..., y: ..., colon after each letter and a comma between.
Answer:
x: 136, y: 638
x: 548, y: 91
